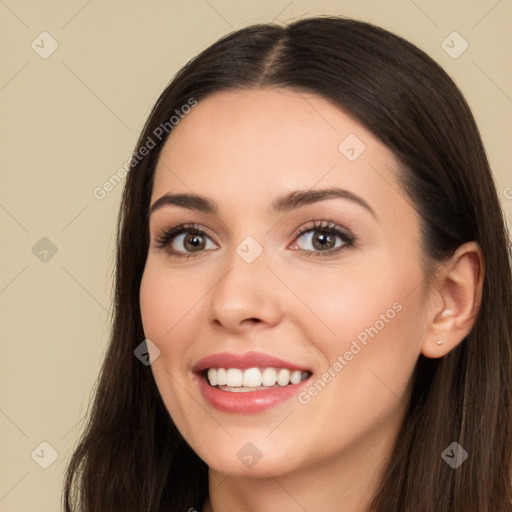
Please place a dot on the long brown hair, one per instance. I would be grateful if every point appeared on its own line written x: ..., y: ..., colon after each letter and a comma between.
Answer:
x: 132, y: 457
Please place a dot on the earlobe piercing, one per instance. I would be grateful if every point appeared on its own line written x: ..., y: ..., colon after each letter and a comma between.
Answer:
x: 439, y: 342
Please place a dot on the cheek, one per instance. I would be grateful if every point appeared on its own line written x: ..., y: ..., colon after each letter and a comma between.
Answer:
x: 370, y: 316
x: 167, y: 311
x: 154, y: 302
x: 345, y: 301
x: 165, y: 300
x: 368, y: 365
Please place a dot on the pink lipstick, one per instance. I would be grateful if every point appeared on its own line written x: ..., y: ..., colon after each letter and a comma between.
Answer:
x: 248, y: 383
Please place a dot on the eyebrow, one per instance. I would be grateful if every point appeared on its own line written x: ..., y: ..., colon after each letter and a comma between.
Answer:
x: 285, y: 203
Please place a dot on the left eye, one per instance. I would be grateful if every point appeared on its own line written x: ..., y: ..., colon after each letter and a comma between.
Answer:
x: 320, y: 240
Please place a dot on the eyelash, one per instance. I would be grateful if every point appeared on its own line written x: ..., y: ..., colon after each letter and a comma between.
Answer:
x: 327, y: 226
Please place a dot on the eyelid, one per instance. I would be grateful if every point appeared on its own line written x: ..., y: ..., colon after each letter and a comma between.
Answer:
x: 327, y: 225
x: 348, y: 238
x: 168, y: 234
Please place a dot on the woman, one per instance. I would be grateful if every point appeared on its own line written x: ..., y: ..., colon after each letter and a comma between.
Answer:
x: 314, y: 278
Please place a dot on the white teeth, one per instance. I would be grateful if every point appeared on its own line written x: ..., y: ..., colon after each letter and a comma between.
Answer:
x: 254, y: 377
x: 221, y: 376
x: 296, y: 377
x: 269, y: 377
x: 212, y: 376
x: 234, y: 377
x: 283, y: 377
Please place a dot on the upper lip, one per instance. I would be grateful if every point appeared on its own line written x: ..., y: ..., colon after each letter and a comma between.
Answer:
x: 243, y: 361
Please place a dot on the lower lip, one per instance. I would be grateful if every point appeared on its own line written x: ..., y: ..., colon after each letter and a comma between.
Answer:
x: 247, y: 402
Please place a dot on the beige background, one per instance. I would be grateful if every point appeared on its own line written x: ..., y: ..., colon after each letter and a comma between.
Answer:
x: 71, y: 120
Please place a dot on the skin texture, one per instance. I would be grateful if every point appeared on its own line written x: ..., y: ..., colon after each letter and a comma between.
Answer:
x: 242, y: 150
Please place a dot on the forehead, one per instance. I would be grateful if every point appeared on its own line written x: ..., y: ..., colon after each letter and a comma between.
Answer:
x: 248, y: 144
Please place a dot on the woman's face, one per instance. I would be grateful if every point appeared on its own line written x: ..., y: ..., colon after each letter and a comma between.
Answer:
x: 341, y: 303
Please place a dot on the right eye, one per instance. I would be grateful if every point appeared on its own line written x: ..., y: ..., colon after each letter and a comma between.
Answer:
x: 185, y: 241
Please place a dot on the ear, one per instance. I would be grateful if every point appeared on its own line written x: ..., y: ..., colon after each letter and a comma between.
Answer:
x: 454, y: 301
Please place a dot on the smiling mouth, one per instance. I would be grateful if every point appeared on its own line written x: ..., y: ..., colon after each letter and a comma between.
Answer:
x: 238, y: 380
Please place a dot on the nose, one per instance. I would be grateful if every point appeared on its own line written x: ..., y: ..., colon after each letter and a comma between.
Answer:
x: 247, y: 296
